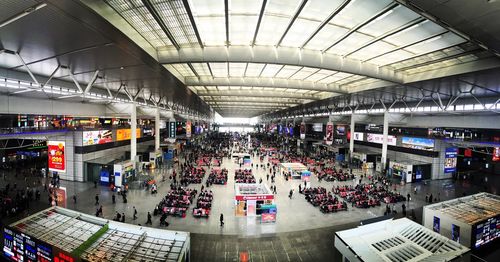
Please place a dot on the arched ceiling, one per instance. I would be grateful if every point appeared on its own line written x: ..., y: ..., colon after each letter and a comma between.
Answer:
x: 267, y: 55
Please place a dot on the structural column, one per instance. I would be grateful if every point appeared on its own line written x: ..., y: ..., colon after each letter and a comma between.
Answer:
x: 384, y: 141
x: 351, y: 141
x: 157, y: 129
x: 133, y: 134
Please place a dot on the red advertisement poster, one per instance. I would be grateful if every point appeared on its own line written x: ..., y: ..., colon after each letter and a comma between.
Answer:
x: 57, y: 158
x: 329, y: 133
x: 496, y: 154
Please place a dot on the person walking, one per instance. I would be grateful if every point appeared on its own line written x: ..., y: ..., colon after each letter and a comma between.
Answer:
x: 221, y: 219
x: 113, y: 198
x: 135, y: 214
x: 74, y: 199
x: 96, y: 199
x: 408, y: 197
x: 149, y: 222
x: 123, y: 218
x: 403, y: 207
x: 291, y: 194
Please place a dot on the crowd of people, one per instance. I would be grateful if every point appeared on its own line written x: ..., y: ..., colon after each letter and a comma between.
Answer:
x: 176, y: 202
x: 217, y: 176
x: 203, y: 204
x: 244, y: 176
x: 318, y: 196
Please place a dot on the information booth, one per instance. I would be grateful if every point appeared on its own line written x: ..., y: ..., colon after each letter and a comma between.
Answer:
x: 123, y: 173
x: 296, y: 170
x: 155, y: 159
x: 255, y: 200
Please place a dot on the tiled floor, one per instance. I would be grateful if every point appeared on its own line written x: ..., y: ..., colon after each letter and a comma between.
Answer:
x: 301, y: 232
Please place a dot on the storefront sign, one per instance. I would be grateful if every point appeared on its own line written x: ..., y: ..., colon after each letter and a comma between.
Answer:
x: 329, y: 133
x: 126, y: 134
x: 268, y: 217
x: 254, y: 197
x: 57, y: 159
x: 450, y: 160
x: 148, y: 131
x: 318, y: 127
x: 302, y: 130
x: 379, y: 139
x: 188, y: 129
x: 358, y: 136
x: 97, y: 137
x: 418, y: 143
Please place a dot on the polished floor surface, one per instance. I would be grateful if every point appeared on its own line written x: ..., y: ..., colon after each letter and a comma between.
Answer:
x: 301, y: 233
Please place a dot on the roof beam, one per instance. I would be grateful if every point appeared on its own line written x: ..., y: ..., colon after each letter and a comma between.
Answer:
x: 430, y: 62
x: 226, y: 18
x: 255, y: 99
x: 160, y: 22
x: 356, y: 28
x: 246, y: 102
x: 279, y: 55
x: 261, y: 14
x: 258, y: 93
x: 325, y: 22
x: 297, y: 13
x: 24, y: 13
x: 264, y: 82
x: 193, y: 23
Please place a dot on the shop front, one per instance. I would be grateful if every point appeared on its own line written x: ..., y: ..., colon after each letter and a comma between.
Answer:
x: 123, y: 173
x: 255, y: 200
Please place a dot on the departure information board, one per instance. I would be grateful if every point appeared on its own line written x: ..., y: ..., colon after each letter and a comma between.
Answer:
x: 487, y: 231
x: 21, y: 247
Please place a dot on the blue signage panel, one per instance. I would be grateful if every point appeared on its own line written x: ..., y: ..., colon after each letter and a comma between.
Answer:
x: 450, y: 160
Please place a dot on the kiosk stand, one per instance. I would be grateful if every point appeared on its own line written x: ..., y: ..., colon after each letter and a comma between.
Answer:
x: 255, y: 200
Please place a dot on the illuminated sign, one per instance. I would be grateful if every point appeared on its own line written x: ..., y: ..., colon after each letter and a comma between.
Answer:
x: 379, y: 139
x: 126, y: 134
x: 418, y: 143
x: 97, y: 137
x: 57, y: 159
x: 450, y: 160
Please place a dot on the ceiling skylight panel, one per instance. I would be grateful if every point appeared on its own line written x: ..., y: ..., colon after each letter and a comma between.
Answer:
x: 374, y: 49
x: 253, y: 69
x: 415, y: 33
x: 319, y: 75
x: 389, y: 21
x: 325, y: 36
x: 201, y: 68
x: 436, y: 43
x: 299, y: 32
x: 303, y: 73
x: 271, y: 70
x: 333, y: 78
x: 275, y: 20
x: 242, y: 29
x: 210, y: 20
x: 392, y: 57
x: 219, y: 69
x: 237, y: 69
x: 184, y: 70
x: 175, y: 16
x: 350, y: 44
x: 358, y: 11
x: 287, y: 71
x: 223, y: 88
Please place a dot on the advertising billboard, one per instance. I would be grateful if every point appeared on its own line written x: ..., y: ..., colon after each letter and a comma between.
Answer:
x: 329, y: 133
x: 57, y: 159
x: 487, y: 231
x: 188, y: 129
x: 418, y: 143
x: 359, y: 136
x: 496, y: 154
x: 450, y: 160
x: 318, y: 127
x: 379, y: 139
x: 97, y: 137
x: 126, y: 134
x: 340, y: 130
x: 436, y: 225
x: 302, y: 130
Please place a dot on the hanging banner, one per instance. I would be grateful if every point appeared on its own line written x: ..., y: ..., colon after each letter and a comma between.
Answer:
x: 329, y: 133
x: 450, y: 160
x: 57, y: 160
x: 188, y: 129
x: 302, y: 130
